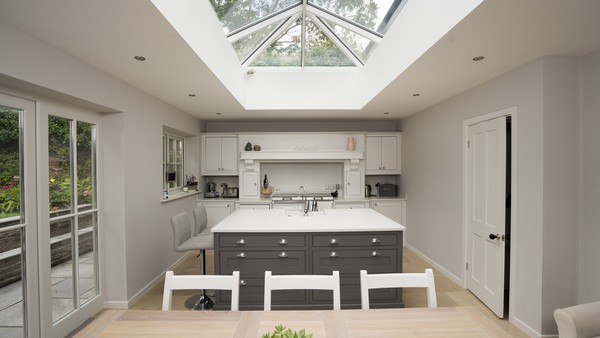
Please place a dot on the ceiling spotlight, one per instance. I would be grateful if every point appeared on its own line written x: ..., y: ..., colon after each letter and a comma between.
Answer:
x: 192, y: 95
x: 250, y: 72
x: 218, y: 113
x: 386, y: 113
x: 139, y: 58
x: 416, y: 94
x: 478, y: 58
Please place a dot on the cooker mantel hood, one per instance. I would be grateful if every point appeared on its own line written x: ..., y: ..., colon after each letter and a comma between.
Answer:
x: 299, y: 156
x: 252, y: 159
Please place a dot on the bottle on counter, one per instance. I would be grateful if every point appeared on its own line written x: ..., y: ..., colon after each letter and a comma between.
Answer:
x: 266, y: 182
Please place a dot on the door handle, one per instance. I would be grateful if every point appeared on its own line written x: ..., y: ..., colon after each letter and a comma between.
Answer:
x: 496, y: 236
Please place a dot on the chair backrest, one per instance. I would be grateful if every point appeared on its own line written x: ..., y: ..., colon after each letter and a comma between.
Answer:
x: 182, y: 230
x: 302, y: 282
x: 202, y: 282
x: 397, y: 280
x: 200, y: 218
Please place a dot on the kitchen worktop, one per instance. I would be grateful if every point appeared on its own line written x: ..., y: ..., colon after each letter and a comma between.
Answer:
x: 328, y: 220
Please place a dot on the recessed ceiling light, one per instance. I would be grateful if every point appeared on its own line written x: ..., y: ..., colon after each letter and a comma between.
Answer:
x: 192, y: 95
x: 416, y: 94
x: 218, y: 113
x: 386, y: 113
x: 478, y: 58
x: 139, y: 58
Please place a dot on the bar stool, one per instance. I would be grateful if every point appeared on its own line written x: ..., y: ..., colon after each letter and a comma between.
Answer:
x: 184, y: 241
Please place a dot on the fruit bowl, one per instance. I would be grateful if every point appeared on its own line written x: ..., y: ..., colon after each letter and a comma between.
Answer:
x: 266, y: 191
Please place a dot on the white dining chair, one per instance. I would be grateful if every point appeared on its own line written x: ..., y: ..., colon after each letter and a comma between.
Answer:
x: 397, y: 280
x: 201, y: 282
x: 302, y: 282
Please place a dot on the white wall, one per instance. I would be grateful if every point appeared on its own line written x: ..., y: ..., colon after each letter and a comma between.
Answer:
x: 432, y: 177
x: 137, y: 235
x: 589, y: 250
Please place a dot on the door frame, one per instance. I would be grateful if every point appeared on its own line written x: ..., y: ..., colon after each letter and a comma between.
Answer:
x: 511, y: 112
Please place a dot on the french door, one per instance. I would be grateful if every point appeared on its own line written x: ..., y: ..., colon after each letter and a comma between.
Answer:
x: 49, y: 218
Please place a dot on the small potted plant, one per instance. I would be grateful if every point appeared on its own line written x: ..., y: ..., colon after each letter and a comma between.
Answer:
x: 192, y: 182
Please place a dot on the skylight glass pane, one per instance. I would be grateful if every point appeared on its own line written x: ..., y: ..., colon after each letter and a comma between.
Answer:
x: 372, y: 14
x: 235, y: 14
x: 285, y: 51
x: 321, y: 51
x: 361, y: 46
x: 249, y: 43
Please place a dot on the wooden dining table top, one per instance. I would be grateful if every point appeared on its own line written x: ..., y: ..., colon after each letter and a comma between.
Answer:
x: 413, y: 322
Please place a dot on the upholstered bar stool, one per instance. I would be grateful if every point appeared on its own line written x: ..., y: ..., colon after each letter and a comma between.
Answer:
x: 184, y: 241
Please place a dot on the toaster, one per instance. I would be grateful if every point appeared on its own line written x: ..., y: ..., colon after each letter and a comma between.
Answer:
x: 230, y: 192
x: 388, y: 190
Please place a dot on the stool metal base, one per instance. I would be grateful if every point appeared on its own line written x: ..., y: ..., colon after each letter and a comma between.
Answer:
x: 199, y: 302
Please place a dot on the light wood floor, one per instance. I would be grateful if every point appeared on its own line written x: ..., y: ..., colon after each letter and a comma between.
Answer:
x: 448, y: 293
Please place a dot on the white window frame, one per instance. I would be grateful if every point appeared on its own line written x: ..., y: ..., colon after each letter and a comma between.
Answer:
x: 167, y: 163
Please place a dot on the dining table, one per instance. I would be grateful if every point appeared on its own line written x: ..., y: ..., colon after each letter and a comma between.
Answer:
x: 393, y: 322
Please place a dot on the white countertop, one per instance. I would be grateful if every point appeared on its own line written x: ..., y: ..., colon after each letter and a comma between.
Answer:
x: 327, y: 220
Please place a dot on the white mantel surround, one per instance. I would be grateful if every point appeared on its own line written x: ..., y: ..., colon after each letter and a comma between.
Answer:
x: 301, y: 148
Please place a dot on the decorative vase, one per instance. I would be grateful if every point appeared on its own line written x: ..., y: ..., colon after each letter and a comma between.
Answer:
x: 256, y: 147
x: 248, y: 146
x: 350, y: 145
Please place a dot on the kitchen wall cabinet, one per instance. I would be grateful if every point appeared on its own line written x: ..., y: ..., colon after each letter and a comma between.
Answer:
x: 353, y: 184
x: 307, y: 253
x: 217, y: 210
x: 250, y: 185
x: 382, y: 154
x: 220, y: 155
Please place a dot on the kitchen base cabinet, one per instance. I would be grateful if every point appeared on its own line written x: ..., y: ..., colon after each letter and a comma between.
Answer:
x: 308, y: 253
x: 216, y: 211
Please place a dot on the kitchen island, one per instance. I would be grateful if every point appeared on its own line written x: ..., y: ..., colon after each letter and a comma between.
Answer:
x: 295, y: 243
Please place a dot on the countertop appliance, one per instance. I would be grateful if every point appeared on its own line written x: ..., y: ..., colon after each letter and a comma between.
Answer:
x: 230, y: 192
x: 211, y: 190
x: 367, y: 190
x: 388, y: 190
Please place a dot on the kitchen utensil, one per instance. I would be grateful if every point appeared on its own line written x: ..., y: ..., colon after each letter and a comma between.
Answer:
x: 367, y: 190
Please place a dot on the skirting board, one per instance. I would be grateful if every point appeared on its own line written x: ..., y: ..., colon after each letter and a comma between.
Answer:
x: 446, y: 273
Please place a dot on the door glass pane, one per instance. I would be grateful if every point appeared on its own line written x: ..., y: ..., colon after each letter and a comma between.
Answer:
x: 59, y: 157
x: 12, y: 306
x: 86, y: 187
x: 10, y: 188
x: 61, y: 260
x: 88, y: 282
x: 12, y: 264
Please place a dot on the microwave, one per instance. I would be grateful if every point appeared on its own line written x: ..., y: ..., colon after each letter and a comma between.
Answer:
x: 388, y: 190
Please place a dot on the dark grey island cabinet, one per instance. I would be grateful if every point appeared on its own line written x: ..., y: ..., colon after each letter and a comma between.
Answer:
x: 298, y: 253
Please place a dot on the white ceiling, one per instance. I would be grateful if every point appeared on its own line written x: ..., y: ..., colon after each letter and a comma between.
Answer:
x: 108, y: 33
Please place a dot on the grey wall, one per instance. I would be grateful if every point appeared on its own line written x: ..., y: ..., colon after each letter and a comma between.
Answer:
x: 136, y: 231
x: 589, y: 251
x: 557, y: 183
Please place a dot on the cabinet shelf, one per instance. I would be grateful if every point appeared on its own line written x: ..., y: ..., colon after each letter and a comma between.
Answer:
x: 340, y: 155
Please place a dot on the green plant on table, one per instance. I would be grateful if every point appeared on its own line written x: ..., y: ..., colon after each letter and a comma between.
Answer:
x: 282, y: 332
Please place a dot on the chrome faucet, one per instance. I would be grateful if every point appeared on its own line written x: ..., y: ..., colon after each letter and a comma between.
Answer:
x: 306, y: 204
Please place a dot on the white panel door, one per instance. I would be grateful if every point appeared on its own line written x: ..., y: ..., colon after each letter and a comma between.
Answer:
x: 486, y: 174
